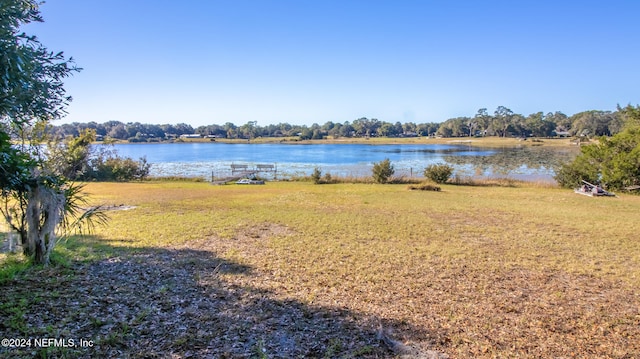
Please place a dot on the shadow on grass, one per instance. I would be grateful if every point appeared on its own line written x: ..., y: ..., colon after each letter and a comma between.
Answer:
x: 154, y: 302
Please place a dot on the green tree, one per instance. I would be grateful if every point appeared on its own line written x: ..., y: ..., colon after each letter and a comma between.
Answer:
x: 560, y: 120
x: 502, y: 120
x: 71, y: 156
x: 347, y: 130
x: 366, y: 127
x: 518, y: 125
x: 621, y: 166
x: 455, y: 127
x: 483, y: 120
x: 31, y: 76
x: 630, y: 116
x: 249, y: 130
x: 593, y: 123
x: 306, y: 133
x: 335, y: 131
x: 427, y: 129
x: 36, y: 200
x: 409, y: 127
x: 536, y: 124
x: 387, y: 130
x: 614, y: 161
x: 382, y: 171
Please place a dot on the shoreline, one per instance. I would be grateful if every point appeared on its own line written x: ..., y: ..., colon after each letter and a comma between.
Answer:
x: 488, y: 142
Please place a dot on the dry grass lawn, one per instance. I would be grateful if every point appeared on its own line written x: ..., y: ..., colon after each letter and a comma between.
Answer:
x: 302, y: 270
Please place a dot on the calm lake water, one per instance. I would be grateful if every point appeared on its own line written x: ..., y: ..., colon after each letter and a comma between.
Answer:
x: 205, y: 159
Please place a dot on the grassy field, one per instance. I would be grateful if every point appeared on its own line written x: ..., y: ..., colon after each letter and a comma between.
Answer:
x: 292, y: 269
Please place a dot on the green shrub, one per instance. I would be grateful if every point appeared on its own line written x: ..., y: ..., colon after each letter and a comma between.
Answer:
x: 613, y: 161
x: 439, y: 172
x: 318, y: 178
x: 121, y: 169
x: 316, y: 175
x: 571, y: 175
x: 382, y: 171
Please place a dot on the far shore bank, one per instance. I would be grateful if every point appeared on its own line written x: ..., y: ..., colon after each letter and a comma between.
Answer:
x: 490, y: 142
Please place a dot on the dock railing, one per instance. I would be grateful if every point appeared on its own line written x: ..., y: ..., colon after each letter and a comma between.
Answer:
x: 239, y: 171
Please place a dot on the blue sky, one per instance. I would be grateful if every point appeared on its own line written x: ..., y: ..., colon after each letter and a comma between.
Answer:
x: 210, y: 62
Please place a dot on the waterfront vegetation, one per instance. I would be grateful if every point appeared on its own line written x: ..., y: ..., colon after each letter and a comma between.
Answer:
x: 507, y: 269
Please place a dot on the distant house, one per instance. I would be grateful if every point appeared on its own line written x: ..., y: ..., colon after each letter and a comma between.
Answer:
x: 562, y: 133
x: 191, y: 135
x: 409, y: 134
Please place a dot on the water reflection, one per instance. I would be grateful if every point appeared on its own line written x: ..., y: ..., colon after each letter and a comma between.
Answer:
x: 349, y: 160
x: 520, y: 163
x: 442, y: 150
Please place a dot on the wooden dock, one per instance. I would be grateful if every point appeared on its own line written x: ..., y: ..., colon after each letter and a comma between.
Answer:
x: 236, y: 176
x: 240, y: 171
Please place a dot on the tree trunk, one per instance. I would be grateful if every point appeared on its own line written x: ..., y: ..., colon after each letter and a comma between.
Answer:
x: 40, y: 256
x: 24, y: 241
x: 44, y: 212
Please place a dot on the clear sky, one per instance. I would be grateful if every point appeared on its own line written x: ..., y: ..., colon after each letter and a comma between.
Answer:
x: 305, y: 61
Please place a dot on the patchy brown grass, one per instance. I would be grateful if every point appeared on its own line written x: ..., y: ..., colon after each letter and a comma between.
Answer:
x: 424, y: 186
x: 298, y: 270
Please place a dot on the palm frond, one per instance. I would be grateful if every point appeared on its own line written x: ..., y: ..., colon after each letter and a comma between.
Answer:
x: 80, y: 218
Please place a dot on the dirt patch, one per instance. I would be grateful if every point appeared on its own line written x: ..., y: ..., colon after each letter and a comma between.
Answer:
x: 263, y: 231
x: 117, y: 207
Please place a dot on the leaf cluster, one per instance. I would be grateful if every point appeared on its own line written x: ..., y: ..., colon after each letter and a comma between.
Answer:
x: 15, y: 165
x: 31, y: 86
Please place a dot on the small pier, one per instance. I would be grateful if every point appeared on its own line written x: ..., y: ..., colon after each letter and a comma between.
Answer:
x: 240, y: 171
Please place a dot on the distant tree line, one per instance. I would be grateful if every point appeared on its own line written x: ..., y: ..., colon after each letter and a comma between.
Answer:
x: 502, y: 122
